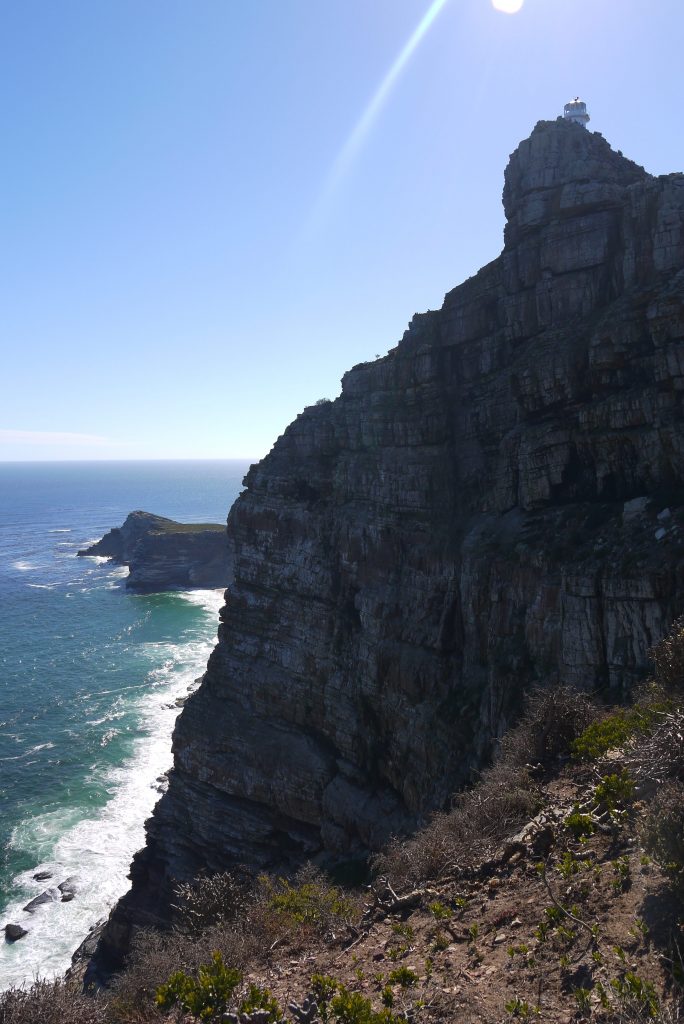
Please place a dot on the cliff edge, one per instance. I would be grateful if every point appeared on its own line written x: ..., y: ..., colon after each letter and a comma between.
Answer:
x: 496, y: 503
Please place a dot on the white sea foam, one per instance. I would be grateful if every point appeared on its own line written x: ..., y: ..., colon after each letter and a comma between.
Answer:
x: 97, y: 847
x: 61, y: 530
x: 23, y: 566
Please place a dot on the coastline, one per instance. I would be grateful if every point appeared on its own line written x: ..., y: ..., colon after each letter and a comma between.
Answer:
x: 98, y: 849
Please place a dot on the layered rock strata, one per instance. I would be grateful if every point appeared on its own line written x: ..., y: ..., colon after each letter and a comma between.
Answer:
x: 161, y: 553
x: 495, y: 504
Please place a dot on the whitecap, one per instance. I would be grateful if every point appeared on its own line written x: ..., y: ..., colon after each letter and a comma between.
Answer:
x: 98, y: 845
x: 210, y: 600
x: 61, y: 530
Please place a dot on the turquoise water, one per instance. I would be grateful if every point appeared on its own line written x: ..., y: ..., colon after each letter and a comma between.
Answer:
x: 89, y: 678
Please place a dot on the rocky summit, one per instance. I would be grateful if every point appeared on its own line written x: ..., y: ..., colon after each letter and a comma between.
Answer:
x: 161, y: 553
x: 498, y: 503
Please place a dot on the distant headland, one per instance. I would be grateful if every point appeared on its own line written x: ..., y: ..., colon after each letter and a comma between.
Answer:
x: 161, y: 553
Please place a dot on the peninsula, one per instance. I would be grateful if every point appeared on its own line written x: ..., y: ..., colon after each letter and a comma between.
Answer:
x: 163, y: 554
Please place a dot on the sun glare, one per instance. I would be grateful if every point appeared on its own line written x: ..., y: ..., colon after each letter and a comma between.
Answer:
x: 507, y: 6
x: 362, y: 129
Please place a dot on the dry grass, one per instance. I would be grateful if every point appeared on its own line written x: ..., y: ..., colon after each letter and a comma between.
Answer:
x: 245, y: 925
x: 668, y: 657
x: 659, y: 755
x: 505, y: 797
x: 663, y: 832
x: 50, y: 1002
x: 208, y: 900
x: 551, y: 720
x: 480, y: 819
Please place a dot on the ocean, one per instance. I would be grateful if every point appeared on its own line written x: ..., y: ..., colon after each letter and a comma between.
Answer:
x: 89, y: 678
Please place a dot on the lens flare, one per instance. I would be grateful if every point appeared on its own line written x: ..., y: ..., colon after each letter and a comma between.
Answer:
x: 354, y: 142
x: 507, y: 6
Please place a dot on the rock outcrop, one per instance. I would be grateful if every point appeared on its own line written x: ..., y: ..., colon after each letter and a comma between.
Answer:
x: 161, y: 553
x: 448, y: 532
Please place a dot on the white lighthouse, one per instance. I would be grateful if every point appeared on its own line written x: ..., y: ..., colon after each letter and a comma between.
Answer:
x: 576, y: 110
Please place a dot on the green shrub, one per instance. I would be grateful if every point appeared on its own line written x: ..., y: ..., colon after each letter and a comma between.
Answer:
x: 623, y: 875
x: 568, y: 865
x: 310, y: 903
x: 352, y: 1008
x: 403, y: 976
x: 440, y: 911
x: 616, y: 791
x: 261, y: 999
x: 520, y: 1008
x: 206, y: 996
x: 583, y: 999
x: 616, y: 729
x: 580, y: 825
x: 633, y: 989
x: 323, y: 988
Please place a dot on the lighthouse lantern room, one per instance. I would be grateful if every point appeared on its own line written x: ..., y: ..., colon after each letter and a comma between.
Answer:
x: 576, y: 110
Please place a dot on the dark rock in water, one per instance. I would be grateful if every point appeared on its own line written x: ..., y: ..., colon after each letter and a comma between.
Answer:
x: 69, y: 885
x: 67, y: 897
x: 14, y: 932
x: 161, y: 553
x: 449, y: 531
x: 48, y: 896
x: 42, y: 876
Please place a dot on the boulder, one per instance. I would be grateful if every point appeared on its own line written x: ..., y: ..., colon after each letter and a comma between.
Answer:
x: 48, y: 896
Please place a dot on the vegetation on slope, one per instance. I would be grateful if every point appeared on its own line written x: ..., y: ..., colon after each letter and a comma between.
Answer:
x: 553, y: 890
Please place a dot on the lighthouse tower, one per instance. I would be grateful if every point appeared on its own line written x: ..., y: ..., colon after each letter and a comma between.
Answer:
x: 576, y: 110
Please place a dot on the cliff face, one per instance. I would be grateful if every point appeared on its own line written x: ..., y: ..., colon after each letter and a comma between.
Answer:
x: 161, y: 553
x: 497, y: 502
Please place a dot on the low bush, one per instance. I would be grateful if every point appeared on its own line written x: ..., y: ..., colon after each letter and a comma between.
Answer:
x: 352, y: 1008
x: 668, y: 657
x: 309, y: 900
x: 552, y: 719
x: 50, y: 1002
x: 155, y: 956
x: 207, y: 996
x: 663, y: 832
x: 205, y: 901
x: 480, y: 818
x: 261, y: 999
x: 659, y: 754
x: 621, y: 726
x: 616, y: 790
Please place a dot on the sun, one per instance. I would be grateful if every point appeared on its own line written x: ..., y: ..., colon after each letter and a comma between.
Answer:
x: 507, y: 6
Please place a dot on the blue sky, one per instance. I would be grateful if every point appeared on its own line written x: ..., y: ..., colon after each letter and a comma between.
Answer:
x: 193, y: 250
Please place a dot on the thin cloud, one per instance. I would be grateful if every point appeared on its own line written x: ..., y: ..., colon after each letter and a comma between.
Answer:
x: 55, y: 437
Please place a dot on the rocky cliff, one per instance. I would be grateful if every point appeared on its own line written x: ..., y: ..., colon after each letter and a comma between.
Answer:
x: 161, y: 553
x: 496, y: 503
